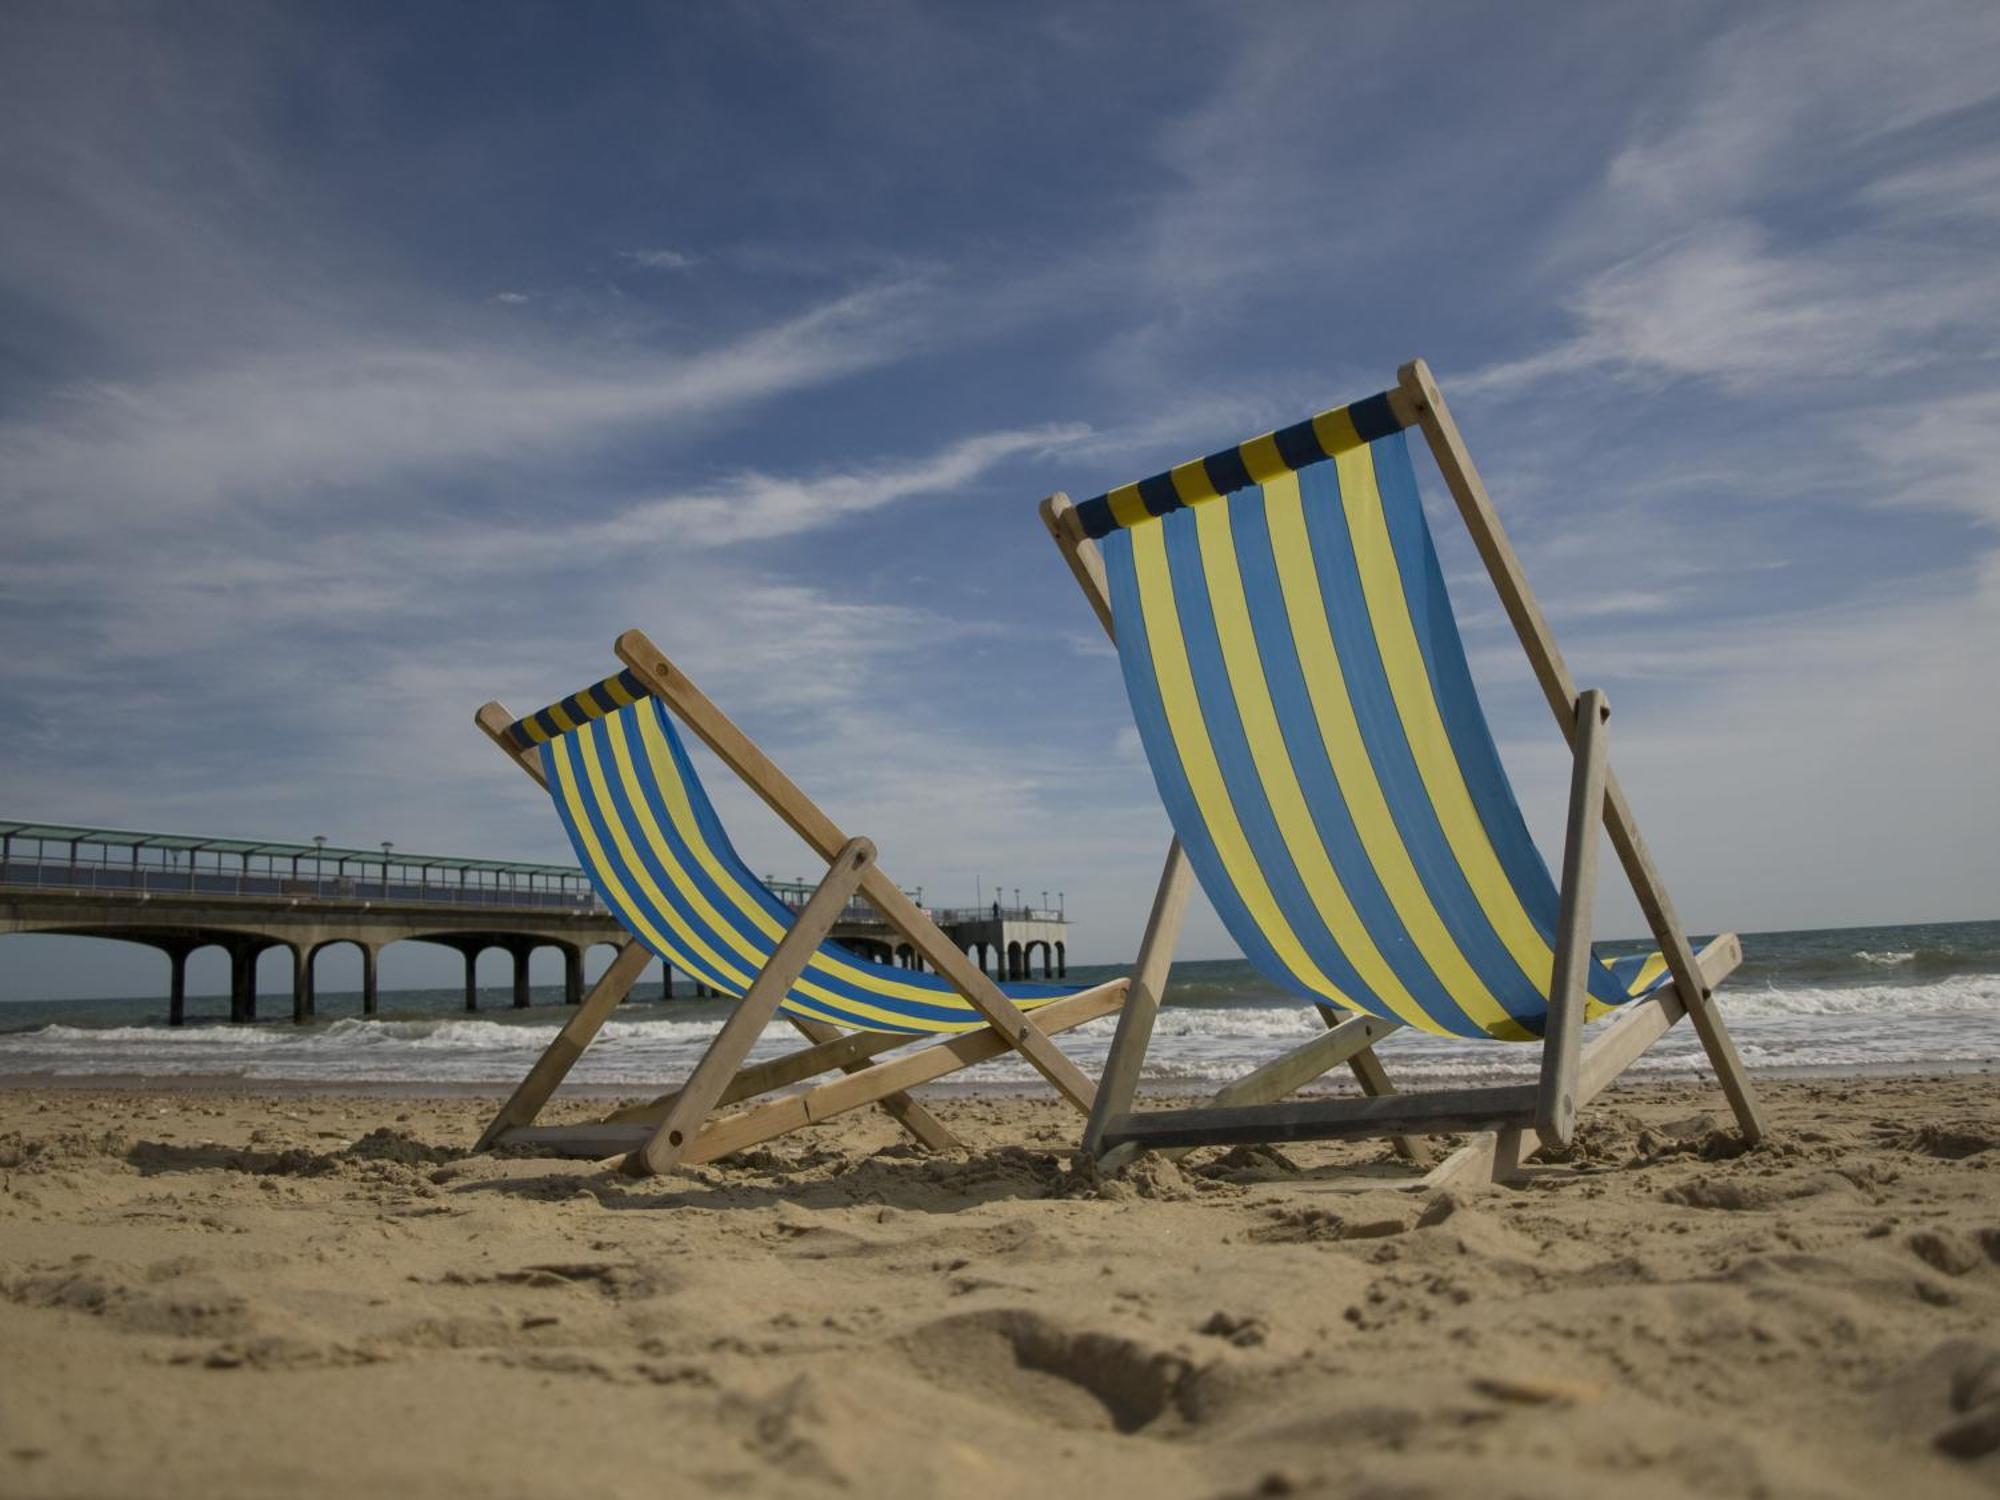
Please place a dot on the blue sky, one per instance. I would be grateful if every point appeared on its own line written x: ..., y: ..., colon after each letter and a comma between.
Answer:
x: 358, y: 363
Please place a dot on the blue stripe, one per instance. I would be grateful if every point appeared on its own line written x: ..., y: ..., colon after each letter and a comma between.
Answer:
x: 1306, y: 746
x: 1458, y: 701
x: 1389, y: 750
x: 1135, y: 658
x: 676, y: 899
x: 675, y: 893
x: 717, y: 839
x: 1252, y: 803
x: 604, y: 893
x: 718, y: 842
x: 1625, y: 968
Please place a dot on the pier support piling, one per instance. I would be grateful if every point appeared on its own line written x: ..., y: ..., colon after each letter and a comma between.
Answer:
x: 471, y: 978
x: 521, y: 954
x: 177, y: 986
x: 572, y: 976
x: 302, y: 982
x: 243, y: 982
x: 369, y: 954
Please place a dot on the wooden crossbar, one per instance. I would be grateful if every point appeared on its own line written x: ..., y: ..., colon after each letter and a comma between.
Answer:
x: 1328, y: 1119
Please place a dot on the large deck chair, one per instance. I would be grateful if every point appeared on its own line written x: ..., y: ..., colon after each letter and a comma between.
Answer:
x: 1299, y: 684
x: 643, y: 827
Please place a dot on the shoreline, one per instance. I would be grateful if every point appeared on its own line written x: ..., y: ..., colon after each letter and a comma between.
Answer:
x: 228, y: 1083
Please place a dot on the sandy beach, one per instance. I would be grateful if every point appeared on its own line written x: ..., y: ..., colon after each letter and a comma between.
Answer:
x: 228, y: 1294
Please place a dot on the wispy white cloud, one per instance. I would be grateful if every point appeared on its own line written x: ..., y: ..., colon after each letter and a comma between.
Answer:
x: 276, y: 432
x: 661, y: 260
x: 1723, y: 304
x: 754, y: 507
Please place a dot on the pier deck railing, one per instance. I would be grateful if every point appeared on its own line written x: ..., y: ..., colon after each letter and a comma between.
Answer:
x: 87, y: 876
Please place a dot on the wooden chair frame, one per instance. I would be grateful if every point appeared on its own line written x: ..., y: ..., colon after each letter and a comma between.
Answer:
x: 682, y: 1128
x: 1509, y: 1123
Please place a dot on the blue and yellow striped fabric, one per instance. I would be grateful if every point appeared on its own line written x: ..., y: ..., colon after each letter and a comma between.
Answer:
x: 645, y: 831
x: 1303, y: 697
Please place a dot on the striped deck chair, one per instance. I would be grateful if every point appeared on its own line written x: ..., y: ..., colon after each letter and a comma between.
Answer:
x: 1299, y: 685
x: 614, y: 764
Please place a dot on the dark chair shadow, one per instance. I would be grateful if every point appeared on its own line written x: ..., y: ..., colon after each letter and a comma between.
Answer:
x: 913, y: 1182
x: 156, y: 1158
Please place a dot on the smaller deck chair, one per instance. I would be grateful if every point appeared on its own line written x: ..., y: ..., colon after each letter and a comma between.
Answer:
x: 1296, y: 674
x: 646, y: 833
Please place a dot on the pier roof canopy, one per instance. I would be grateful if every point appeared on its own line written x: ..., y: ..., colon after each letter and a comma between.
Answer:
x: 127, y: 838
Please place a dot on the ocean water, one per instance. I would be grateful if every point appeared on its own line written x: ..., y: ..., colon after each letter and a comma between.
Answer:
x: 1910, y: 999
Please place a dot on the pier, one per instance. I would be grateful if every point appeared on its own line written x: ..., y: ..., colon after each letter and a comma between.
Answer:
x: 182, y: 892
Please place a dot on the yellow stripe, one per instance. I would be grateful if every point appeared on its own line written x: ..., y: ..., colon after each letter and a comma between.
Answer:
x: 1274, y: 768
x: 620, y: 694
x: 1197, y: 755
x: 1649, y: 971
x: 1261, y: 458
x: 1192, y: 484
x: 1648, y: 975
x: 677, y: 874
x: 1127, y: 509
x: 534, y: 731
x: 667, y: 775
x: 1360, y: 788
x: 554, y: 711
x: 600, y: 863
x: 681, y: 812
x: 1423, y: 725
x: 1335, y: 431
x: 588, y: 751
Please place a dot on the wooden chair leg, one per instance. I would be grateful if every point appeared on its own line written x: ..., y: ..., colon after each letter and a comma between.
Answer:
x: 1120, y: 1079
x: 1562, y: 1037
x: 1374, y: 1080
x: 754, y: 1011
x: 577, y: 1033
x: 1511, y: 1149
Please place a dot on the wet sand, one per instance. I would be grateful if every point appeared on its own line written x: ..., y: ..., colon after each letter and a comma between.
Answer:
x: 216, y: 1293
